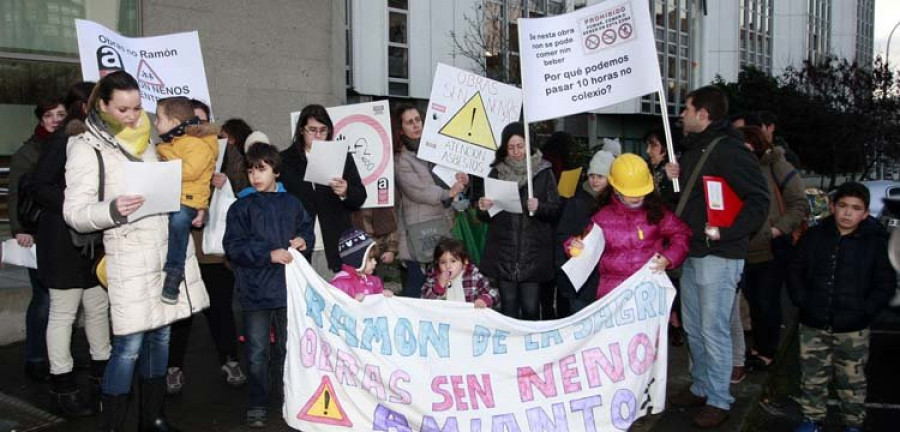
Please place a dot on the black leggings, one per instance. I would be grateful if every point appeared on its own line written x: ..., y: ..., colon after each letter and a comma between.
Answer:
x: 520, y: 300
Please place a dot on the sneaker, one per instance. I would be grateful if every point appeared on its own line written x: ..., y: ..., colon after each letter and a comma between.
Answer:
x: 737, y: 374
x: 809, y: 425
x: 234, y: 376
x: 256, y: 417
x: 174, y: 380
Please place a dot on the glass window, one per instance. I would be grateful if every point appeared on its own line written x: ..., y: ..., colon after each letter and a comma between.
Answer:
x: 397, y: 33
x: 398, y: 89
x: 47, y: 27
x: 398, y: 4
x: 398, y: 62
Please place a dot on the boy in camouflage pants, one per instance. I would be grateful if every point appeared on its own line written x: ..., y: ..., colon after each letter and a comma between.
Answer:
x: 840, y: 279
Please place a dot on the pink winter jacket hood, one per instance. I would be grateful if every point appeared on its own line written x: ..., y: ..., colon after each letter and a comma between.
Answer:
x: 626, y: 252
x: 348, y: 281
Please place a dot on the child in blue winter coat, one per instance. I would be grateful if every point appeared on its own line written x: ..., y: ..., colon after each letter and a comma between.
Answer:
x: 259, y: 230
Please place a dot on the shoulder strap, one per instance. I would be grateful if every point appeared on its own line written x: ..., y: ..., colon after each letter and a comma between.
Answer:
x: 778, y: 187
x: 786, y: 178
x: 686, y: 193
x: 102, y: 174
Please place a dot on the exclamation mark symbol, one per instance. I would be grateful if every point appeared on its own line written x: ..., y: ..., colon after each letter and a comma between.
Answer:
x: 472, y: 122
x: 327, y: 401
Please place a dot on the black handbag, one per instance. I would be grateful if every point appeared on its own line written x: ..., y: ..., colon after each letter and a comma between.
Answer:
x: 91, y: 244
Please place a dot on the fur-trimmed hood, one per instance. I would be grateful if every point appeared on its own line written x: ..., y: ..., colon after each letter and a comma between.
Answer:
x: 202, y: 130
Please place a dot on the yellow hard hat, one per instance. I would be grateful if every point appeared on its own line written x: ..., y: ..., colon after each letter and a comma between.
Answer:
x: 630, y: 176
x: 100, y: 270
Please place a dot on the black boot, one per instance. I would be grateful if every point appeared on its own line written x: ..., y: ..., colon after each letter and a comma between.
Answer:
x: 98, y: 367
x: 67, y: 397
x: 153, y: 397
x: 114, y: 409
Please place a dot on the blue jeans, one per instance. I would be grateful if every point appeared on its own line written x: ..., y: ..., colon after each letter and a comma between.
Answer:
x: 708, y: 287
x: 179, y: 234
x: 149, y: 351
x: 256, y: 330
x: 415, y: 279
x: 36, y: 318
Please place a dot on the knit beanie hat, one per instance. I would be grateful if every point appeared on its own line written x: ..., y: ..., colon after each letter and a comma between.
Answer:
x: 601, y: 163
x: 253, y: 138
x: 353, y: 247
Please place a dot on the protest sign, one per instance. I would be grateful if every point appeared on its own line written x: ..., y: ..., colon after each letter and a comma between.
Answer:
x: 398, y: 364
x: 588, y: 59
x: 466, y: 115
x: 366, y: 127
x: 164, y: 66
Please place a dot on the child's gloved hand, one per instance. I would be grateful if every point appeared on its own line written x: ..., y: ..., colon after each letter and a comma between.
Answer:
x: 359, y: 297
x: 480, y: 304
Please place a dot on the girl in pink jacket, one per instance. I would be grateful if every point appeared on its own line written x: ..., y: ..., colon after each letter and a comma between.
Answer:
x: 636, y: 225
x: 357, y: 253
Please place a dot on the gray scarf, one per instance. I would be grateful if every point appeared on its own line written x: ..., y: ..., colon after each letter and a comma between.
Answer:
x: 510, y: 170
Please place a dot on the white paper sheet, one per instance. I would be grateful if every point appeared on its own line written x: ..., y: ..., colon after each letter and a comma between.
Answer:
x: 505, y: 195
x: 223, y: 143
x: 447, y: 175
x: 158, y: 182
x: 325, y: 161
x: 17, y: 255
x: 579, y: 268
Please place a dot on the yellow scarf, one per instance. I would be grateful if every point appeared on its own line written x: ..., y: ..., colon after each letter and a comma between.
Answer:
x: 133, y: 140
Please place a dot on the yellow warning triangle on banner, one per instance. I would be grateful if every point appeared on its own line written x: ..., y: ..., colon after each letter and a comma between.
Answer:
x: 470, y: 124
x: 324, y: 407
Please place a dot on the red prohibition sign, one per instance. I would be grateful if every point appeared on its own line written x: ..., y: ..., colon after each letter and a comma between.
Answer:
x: 609, y: 36
x: 592, y: 41
x: 625, y: 30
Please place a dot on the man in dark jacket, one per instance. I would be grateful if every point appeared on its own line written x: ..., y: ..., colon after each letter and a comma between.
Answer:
x: 840, y: 279
x: 711, y: 273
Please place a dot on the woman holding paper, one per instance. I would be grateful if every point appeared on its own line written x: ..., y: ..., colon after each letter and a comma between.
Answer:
x: 330, y: 206
x: 424, y: 208
x: 49, y: 113
x: 117, y: 130
x: 636, y: 225
x: 67, y: 271
x: 519, y: 247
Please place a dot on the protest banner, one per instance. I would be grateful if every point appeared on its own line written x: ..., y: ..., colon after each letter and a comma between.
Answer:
x: 164, y: 66
x: 465, y: 117
x: 398, y: 364
x: 588, y: 59
x: 367, y: 129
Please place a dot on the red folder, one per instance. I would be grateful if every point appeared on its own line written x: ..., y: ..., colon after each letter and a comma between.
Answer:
x: 722, y: 204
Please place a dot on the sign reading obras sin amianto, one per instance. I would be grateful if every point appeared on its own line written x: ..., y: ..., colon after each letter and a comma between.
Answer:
x: 396, y: 364
x: 164, y: 66
x: 465, y: 118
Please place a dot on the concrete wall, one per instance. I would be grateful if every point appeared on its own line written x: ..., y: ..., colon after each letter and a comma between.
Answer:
x: 719, y: 50
x: 789, y: 35
x: 430, y: 24
x: 843, y: 28
x: 263, y: 58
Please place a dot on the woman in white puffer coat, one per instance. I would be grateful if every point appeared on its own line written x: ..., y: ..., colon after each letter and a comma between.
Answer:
x: 118, y: 131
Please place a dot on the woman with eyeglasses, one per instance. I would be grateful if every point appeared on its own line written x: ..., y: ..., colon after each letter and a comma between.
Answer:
x: 330, y: 206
